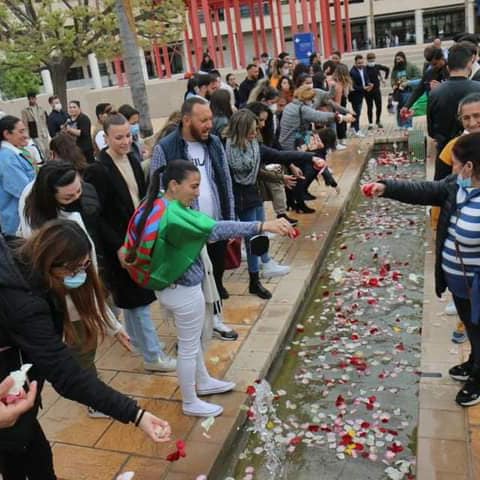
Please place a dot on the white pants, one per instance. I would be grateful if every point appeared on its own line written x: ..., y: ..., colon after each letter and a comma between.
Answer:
x: 187, y: 305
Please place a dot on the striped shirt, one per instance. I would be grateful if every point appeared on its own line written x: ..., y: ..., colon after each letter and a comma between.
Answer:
x: 465, y: 229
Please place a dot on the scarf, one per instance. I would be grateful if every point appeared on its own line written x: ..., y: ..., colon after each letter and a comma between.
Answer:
x: 244, y: 164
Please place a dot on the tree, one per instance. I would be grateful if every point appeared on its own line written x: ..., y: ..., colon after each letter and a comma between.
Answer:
x: 54, y: 34
x: 17, y: 82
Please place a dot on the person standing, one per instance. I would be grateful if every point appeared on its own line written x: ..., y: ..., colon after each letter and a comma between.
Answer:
x: 57, y: 117
x: 374, y: 74
x: 34, y: 117
x: 361, y: 85
x: 120, y: 184
x: 192, y: 141
x: 101, y: 112
x: 79, y: 126
x: 232, y: 81
x: 248, y: 84
x: 442, y: 111
x: 16, y: 171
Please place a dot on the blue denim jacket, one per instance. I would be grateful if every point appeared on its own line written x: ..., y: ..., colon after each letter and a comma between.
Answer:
x: 16, y: 172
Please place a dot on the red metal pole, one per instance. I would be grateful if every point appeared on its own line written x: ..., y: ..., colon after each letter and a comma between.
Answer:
x: 210, y: 37
x: 306, y: 24
x: 274, y: 33
x: 117, y: 65
x: 238, y: 29
x: 280, y: 25
x: 293, y: 15
x: 348, y: 28
x: 326, y: 29
x: 262, y: 25
x: 158, y: 60
x: 339, y: 26
x: 188, y: 48
x: 196, y: 33
x: 314, y: 26
x: 231, y: 39
x: 166, y: 61
x: 219, y: 38
x: 254, y: 28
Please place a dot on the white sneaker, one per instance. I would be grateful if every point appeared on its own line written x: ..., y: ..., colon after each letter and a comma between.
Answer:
x: 371, y: 126
x: 163, y: 364
x: 199, y: 408
x: 450, y: 309
x: 358, y: 134
x: 273, y: 269
x: 243, y: 252
x: 340, y: 146
x: 92, y: 413
x: 215, y: 386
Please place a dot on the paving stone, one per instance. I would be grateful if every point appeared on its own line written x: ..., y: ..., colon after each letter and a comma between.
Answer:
x: 440, y: 397
x: 146, y: 468
x: 442, y: 424
x: 145, y: 385
x: 446, y: 456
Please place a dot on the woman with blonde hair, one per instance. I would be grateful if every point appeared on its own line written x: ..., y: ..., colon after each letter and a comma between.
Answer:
x: 342, y: 81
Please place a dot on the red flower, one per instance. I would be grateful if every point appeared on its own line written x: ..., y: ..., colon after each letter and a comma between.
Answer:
x: 173, y: 457
x: 373, y: 282
x: 374, y: 330
x: 395, y: 447
x: 351, y: 256
x: 295, y: 440
x: 400, y: 347
x: 365, y: 425
x: 354, y: 336
x: 372, y: 301
x: 372, y: 399
x: 396, y: 276
x: 180, y: 452
x: 359, y: 447
x: 339, y: 401
x: 313, y: 428
x: 251, y: 390
x: 346, y: 440
x: 250, y: 414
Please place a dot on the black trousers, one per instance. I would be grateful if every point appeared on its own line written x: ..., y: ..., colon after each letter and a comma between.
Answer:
x: 374, y: 97
x: 473, y: 331
x: 217, y: 252
x: 357, y: 102
x: 34, y: 463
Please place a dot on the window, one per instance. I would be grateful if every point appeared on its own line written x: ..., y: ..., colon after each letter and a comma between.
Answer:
x: 75, y: 73
x: 390, y: 32
x: 359, y: 35
x: 443, y: 24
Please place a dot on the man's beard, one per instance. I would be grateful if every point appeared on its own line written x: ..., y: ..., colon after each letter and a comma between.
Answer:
x: 196, y: 134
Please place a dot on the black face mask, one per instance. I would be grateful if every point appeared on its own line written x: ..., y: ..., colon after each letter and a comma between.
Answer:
x: 75, y: 206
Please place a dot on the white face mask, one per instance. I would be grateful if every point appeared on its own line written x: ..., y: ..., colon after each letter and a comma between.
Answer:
x: 57, y: 107
x: 371, y: 64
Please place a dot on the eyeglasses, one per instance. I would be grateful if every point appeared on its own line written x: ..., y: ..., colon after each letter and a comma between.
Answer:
x: 77, y: 268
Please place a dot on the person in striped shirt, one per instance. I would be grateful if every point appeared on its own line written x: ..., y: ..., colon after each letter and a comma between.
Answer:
x: 457, y: 245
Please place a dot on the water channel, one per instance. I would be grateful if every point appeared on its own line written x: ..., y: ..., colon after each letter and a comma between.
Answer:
x: 345, y: 387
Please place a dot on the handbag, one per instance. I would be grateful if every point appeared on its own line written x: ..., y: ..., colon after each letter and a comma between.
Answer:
x: 233, y: 254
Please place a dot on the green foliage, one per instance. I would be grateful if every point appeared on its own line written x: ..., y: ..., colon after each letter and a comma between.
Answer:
x: 17, y: 82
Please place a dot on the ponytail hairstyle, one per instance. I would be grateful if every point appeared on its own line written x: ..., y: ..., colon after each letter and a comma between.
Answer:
x: 114, y: 118
x: 177, y: 170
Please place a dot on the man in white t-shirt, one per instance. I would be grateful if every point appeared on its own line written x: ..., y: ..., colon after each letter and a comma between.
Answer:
x: 192, y: 141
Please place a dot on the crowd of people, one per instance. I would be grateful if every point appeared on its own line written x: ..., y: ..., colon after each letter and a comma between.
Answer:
x: 97, y: 224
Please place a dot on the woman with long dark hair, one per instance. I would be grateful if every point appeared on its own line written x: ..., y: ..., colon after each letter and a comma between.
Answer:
x: 207, y: 64
x: 178, y: 267
x: 286, y: 88
x: 35, y: 326
x: 221, y: 106
x: 63, y: 147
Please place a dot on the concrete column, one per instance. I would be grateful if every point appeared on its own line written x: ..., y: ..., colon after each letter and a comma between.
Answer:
x: 274, y: 13
x: 419, y: 27
x: 143, y: 62
x: 370, y: 28
x: 95, y: 71
x: 47, y: 81
x: 470, y: 16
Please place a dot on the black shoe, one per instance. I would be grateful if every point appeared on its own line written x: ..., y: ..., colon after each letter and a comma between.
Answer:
x: 229, y: 336
x: 461, y: 372
x: 293, y: 221
x: 379, y: 125
x: 303, y: 208
x: 470, y: 393
x: 256, y: 288
x: 222, y: 291
x: 308, y: 196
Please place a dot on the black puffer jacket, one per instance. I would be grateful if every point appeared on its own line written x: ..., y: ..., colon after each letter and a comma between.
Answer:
x: 31, y: 325
x: 442, y: 194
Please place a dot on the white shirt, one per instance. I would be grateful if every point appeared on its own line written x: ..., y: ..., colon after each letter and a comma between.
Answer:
x: 100, y: 140
x: 199, y: 157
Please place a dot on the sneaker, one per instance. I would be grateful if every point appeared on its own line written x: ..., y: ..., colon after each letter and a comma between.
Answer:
x: 459, y: 337
x: 199, y: 408
x: 370, y: 126
x: 227, y: 335
x: 273, y: 269
x: 358, y: 134
x: 450, y: 309
x: 340, y: 146
x: 163, y: 364
x: 215, y: 386
x: 92, y: 413
x: 223, y: 293
x: 470, y: 393
x: 461, y: 372
x: 379, y: 125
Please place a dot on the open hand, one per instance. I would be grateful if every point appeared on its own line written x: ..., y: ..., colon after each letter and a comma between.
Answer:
x: 290, y: 181
x: 373, y: 189
x: 157, y: 429
x: 9, y: 413
x: 124, y: 340
x: 280, y: 226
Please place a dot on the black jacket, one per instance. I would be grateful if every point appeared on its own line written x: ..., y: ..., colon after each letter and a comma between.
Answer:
x: 32, y: 325
x: 374, y: 75
x: 244, y: 90
x: 55, y: 120
x: 442, y: 118
x: 442, y: 193
x: 116, y: 210
x: 424, y: 85
x: 358, y: 90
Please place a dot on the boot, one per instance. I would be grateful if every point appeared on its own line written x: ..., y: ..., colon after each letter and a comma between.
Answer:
x: 256, y: 288
x: 293, y: 221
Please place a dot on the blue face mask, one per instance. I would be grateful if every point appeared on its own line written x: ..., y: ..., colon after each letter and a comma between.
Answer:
x: 75, y: 281
x: 464, y: 182
x: 135, y: 129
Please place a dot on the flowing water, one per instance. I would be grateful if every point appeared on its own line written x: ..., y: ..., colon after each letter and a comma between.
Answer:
x: 344, y: 396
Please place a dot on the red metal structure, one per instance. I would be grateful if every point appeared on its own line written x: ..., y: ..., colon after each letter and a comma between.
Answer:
x: 227, y: 14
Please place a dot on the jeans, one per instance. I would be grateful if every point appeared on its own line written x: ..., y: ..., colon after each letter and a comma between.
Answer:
x: 187, y: 305
x: 407, y: 123
x: 140, y: 328
x: 35, y: 462
x: 473, y: 331
x: 252, y: 215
